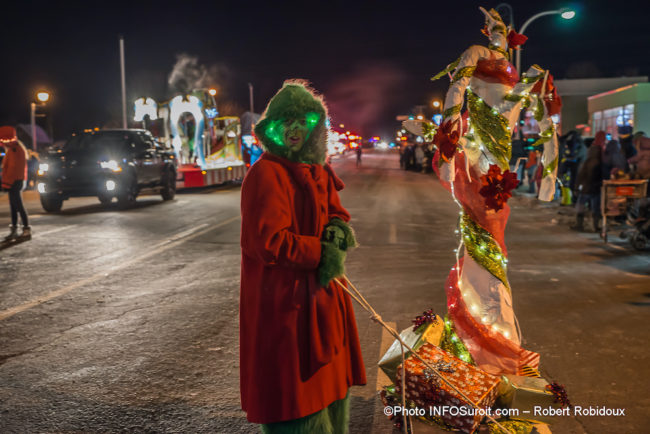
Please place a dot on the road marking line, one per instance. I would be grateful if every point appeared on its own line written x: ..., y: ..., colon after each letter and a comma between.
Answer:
x: 53, y: 231
x: 392, y: 234
x: 158, y: 248
x: 386, y: 341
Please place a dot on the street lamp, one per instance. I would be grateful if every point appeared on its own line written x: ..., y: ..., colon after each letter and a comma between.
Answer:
x: 436, y: 103
x: 565, y: 13
x: 42, y: 97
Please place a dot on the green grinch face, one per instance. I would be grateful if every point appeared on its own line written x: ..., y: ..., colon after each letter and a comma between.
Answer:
x: 295, y: 133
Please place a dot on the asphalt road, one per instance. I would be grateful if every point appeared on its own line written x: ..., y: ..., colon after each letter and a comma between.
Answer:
x: 127, y: 321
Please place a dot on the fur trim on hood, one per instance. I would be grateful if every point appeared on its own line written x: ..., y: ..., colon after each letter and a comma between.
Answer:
x: 295, y: 100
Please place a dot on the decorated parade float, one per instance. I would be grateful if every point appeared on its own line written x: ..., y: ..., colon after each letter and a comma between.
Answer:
x: 207, y: 146
x: 468, y: 367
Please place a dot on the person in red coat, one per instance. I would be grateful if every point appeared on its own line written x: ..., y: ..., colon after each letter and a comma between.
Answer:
x: 299, y: 346
x: 14, y: 173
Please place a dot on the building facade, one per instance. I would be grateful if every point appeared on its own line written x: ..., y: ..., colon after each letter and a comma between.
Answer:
x: 627, y: 105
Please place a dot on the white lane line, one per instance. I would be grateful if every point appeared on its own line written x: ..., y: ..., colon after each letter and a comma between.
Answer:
x: 170, y: 243
x: 53, y: 231
x: 392, y: 234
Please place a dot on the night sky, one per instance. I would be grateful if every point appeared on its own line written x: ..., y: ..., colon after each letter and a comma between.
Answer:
x: 372, y: 60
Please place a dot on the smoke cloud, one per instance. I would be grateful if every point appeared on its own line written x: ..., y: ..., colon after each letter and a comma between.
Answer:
x: 188, y: 74
x: 362, y: 98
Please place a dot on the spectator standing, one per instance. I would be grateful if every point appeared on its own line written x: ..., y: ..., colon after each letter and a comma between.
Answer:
x: 626, y: 140
x: 359, y: 153
x: 14, y: 173
x: 642, y: 159
x: 419, y: 157
x: 572, y: 153
x: 589, y: 181
x: 613, y: 159
x: 531, y: 168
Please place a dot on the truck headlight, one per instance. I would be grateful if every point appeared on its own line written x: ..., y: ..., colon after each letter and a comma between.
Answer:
x: 111, y: 165
x: 41, y: 188
x: 43, y: 168
x: 110, y: 185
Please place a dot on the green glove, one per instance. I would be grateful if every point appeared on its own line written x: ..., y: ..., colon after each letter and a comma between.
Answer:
x: 337, y: 238
x: 331, y: 263
x: 340, y: 233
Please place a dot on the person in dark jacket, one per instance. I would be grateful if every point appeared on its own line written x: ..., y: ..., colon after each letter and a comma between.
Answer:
x: 14, y: 173
x: 613, y: 159
x: 571, y: 155
x: 588, y: 183
x: 627, y: 143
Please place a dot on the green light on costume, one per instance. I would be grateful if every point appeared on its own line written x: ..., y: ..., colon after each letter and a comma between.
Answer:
x: 312, y: 119
x: 274, y: 132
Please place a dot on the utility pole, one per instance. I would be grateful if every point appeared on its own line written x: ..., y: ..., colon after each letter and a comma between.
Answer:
x: 122, y: 70
x: 250, y: 95
x: 33, y: 122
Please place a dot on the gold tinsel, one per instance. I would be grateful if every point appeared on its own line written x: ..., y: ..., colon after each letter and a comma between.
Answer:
x: 449, y: 68
x: 482, y: 247
x: 545, y: 136
x: 548, y: 170
x: 451, y: 111
x: 514, y: 426
x: 465, y: 71
x: 429, y: 131
x: 453, y: 344
x: 499, y: 50
x: 492, y: 128
x: 539, y: 111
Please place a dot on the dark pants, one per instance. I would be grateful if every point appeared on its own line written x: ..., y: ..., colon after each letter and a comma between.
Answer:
x: 570, y: 167
x: 593, y: 200
x: 16, y: 204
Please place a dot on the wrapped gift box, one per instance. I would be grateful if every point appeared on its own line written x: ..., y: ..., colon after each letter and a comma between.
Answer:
x: 524, y: 393
x: 426, y: 390
x: 431, y: 333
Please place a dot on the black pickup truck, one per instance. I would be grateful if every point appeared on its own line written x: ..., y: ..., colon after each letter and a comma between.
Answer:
x: 108, y: 164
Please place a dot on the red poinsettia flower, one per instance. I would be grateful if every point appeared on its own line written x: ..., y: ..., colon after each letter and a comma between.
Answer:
x: 497, y: 187
x: 516, y: 39
x: 446, y: 139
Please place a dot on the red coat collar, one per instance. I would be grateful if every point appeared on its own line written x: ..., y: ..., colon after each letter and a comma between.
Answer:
x: 301, y: 169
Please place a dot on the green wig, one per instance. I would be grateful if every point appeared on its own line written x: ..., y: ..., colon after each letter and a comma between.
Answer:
x: 294, y: 101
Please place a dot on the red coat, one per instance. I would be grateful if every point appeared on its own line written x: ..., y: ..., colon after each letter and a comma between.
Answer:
x: 299, y: 346
x: 14, y: 164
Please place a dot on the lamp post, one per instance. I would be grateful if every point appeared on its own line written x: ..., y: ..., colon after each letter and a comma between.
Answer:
x: 565, y: 13
x: 42, y: 97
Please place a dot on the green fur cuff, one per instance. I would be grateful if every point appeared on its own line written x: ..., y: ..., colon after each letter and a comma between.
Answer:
x: 331, y: 265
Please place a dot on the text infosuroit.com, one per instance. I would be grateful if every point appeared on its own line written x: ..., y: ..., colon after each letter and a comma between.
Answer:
x: 452, y: 410
x: 449, y: 410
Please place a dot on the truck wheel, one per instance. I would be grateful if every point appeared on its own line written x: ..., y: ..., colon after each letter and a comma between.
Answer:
x: 105, y: 200
x: 169, y: 185
x: 127, y: 195
x: 51, y: 202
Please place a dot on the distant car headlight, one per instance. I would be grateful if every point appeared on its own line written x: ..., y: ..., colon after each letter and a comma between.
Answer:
x: 43, y: 168
x: 111, y: 165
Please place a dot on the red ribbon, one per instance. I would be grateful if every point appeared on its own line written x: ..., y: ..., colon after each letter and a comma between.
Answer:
x: 516, y: 39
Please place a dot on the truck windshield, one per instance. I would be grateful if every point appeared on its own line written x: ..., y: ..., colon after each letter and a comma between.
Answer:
x: 104, y: 141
